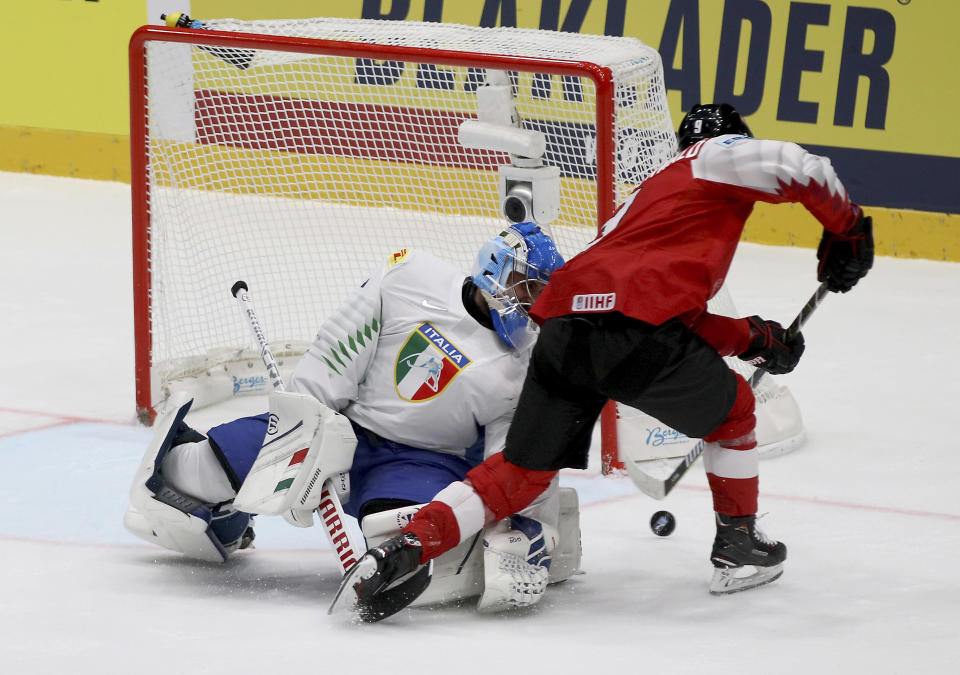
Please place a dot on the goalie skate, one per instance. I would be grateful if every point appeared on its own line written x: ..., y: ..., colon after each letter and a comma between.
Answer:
x: 743, y: 556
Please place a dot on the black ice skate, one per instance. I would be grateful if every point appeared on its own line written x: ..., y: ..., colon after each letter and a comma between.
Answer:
x: 384, y: 580
x: 743, y: 556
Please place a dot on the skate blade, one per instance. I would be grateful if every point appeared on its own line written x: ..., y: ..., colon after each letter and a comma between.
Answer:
x: 728, y: 580
x: 346, y: 597
x: 388, y: 602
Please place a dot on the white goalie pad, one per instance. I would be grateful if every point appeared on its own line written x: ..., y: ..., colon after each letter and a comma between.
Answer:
x: 779, y: 430
x: 779, y: 423
x: 162, y: 516
x: 306, y: 445
x: 175, y: 530
x: 516, y: 563
x: 567, y: 555
x: 459, y: 573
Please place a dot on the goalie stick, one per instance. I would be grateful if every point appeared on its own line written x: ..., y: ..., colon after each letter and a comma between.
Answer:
x: 658, y: 488
x: 333, y: 515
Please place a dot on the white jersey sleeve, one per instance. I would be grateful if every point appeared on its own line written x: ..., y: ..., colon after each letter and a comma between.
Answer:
x: 343, y: 349
x: 776, y: 171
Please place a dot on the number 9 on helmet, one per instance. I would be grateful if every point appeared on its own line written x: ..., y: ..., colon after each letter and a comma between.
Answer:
x: 511, y: 270
x: 709, y: 120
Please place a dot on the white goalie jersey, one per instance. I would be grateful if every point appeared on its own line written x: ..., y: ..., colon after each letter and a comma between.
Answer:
x: 404, y: 359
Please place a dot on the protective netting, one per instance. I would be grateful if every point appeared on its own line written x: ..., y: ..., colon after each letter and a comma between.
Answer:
x: 301, y: 172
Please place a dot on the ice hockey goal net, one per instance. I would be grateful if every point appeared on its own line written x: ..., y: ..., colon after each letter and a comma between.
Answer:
x: 297, y: 154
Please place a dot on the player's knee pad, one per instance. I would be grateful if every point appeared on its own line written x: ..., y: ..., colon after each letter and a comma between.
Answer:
x: 516, y: 563
x: 161, y: 515
x: 738, y: 428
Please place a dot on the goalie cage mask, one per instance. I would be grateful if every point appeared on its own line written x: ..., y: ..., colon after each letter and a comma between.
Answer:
x: 709, y: 120
x: 511, y: 270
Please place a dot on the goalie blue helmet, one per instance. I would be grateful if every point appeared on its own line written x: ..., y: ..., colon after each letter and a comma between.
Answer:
x: 510, y: 270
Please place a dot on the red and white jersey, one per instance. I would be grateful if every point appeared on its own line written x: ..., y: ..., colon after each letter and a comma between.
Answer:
x: 668, y: 248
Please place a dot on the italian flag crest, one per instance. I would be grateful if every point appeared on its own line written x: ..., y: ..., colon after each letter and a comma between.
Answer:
x: 426, y: 364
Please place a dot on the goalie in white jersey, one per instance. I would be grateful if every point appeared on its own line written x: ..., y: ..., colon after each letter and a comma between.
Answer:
x: 426, y: 363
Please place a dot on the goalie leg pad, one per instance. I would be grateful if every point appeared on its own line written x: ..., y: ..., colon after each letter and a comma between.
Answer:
x: 196, y: 469
x: 516, y: 563
x: 558, y: 509
x: 568, y: 553
x: 779, y: 422
x: 162, y: 515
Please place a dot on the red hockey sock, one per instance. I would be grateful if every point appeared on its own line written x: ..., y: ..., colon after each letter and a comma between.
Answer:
x: 437, y: 529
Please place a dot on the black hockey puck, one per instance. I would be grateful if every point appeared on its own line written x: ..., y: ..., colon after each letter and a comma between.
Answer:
x: 663, y: 523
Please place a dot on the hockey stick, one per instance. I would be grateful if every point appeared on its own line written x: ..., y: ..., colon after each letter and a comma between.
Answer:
x: 659, y: 488
x: 330, y: 511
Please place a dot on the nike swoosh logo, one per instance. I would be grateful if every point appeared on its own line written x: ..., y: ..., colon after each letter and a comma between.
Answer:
x: 430, y: 305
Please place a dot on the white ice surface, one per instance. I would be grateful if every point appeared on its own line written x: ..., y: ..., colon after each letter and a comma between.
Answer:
x: 869, y: 507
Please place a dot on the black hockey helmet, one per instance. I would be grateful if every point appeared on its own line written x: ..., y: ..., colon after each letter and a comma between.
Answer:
x: 709, y: 120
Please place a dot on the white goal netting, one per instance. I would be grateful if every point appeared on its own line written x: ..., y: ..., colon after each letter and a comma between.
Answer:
x: 297, y: 155
x: 299, y: 165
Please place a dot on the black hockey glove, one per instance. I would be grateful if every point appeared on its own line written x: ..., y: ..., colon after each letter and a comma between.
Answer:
x: 846, y: 258
x: 770, y: 349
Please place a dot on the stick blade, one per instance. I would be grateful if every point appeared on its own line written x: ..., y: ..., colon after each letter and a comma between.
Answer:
x: 650, y: 475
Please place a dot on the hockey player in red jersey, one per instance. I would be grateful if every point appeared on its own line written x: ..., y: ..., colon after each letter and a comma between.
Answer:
x: 626, y: 320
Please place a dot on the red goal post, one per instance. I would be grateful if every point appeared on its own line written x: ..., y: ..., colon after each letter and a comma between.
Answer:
x: 296, y: 155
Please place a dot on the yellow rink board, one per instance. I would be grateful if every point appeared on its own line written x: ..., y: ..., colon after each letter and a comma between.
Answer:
x: 57, y: 152
x: 899, y: 232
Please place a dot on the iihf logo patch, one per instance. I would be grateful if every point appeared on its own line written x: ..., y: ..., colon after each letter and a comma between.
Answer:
x: 426, y: 364
x: 594, y: 302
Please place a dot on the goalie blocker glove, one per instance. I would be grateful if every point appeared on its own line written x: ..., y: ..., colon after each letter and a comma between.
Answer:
x: 771, y: 348
x: 846, y: 258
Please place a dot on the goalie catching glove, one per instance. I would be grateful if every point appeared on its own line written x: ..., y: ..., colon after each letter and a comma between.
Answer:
x: 846, y: 258
x: 771, y: 348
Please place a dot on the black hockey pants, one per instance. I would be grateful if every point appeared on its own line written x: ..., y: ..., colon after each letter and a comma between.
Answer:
x: 581, y: 361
